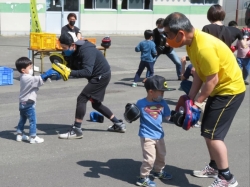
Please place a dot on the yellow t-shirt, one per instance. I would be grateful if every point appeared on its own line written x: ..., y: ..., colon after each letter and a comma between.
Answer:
x: 209, y: 55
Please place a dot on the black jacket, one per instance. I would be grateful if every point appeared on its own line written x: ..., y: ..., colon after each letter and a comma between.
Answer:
x: 157, y: 39
x: 227, y: 34
x: 89, y: 62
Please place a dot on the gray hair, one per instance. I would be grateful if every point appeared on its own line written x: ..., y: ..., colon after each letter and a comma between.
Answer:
x: 177, y: 21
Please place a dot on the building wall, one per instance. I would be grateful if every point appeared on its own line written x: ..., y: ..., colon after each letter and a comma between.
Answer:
x: 230, y: 8
x: 15, y: 17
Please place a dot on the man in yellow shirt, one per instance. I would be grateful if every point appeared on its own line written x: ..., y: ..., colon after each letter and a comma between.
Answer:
x: 224, y: 87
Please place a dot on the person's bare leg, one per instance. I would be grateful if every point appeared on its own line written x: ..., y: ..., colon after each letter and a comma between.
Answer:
x: 218, y: 152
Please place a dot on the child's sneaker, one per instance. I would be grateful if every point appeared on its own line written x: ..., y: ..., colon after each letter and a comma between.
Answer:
x: 197, y: 125
x: 134, y: 84
x: 221, y: 182
x: 162, y: 175
x: 146, y: 182
x: 206, y: 172
x: 36, y: 140
x: 23, y: 137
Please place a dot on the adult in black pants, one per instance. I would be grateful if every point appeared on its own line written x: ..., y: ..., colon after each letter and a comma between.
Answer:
x: 92, y: 65
x: 167, y: 50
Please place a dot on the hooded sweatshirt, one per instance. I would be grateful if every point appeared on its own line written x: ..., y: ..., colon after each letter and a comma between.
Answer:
x: 90, y: 62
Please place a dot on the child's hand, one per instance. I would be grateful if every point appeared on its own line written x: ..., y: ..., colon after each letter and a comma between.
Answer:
x: 50, y: 73
x: 183, y: 60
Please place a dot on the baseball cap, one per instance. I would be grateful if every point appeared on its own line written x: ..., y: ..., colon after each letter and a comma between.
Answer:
x: 68, y: 38
x: 156, y: 82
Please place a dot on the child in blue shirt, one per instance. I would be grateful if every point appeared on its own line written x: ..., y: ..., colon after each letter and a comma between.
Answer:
x: 153, y: 109
x: 148, y: 53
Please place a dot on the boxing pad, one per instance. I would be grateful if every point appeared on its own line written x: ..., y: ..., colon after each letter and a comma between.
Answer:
x: 132, y: 112
x: 192, y: 115
x: 185, y: 115
x: 62, y: 69
x: 57, y: 58
x: 96, y: 117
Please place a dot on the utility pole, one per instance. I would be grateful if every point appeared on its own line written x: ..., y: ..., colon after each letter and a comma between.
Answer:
x: 237, y: 11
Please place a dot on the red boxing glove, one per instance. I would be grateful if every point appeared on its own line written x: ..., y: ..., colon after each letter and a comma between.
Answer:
x: 248, y: 54
x: 233, y: 48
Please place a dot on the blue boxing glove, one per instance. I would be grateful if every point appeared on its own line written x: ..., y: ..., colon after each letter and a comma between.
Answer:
x: 50, y: 73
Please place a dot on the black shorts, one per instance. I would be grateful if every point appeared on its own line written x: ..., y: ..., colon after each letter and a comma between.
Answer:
x: 219, y: 114
x: 96, y: 87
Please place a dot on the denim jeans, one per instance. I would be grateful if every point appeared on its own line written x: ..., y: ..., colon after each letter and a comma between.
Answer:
x: 175, y: 59
x: 143, y: 64
x: 27, y: 111
x: 244, y: 64
x: 186, y: 86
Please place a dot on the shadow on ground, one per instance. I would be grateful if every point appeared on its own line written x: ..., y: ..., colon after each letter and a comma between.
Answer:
x: 127, y: 170
x: 44, y: 129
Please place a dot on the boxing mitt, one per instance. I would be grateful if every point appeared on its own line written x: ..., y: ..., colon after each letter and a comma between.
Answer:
x: 62, y: 69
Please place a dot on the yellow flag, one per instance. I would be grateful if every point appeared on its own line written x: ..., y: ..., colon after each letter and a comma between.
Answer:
x: 35, y: 24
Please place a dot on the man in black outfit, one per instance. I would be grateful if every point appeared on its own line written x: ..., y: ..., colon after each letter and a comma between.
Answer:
x: 166, y: 49
x: 92, y: 65
x: 70, y: 27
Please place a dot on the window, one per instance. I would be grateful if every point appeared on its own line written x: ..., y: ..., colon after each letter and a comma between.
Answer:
x: 137, y: 4
x: 56, y: 5
x: 204, y: 1
x: 100, y: 4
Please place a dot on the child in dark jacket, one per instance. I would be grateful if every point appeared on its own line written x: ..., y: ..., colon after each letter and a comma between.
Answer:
x: 148, y: 53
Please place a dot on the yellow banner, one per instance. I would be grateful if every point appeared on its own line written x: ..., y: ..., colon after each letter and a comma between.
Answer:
x: 35, y: 24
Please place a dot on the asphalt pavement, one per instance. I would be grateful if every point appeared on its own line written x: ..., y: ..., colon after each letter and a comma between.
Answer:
x: 103, y: 158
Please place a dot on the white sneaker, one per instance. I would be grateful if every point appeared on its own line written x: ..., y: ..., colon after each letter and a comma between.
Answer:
x: 197, y: 125
x: 221, y: 182
x: 206, y: 172
x: 36, y: 140
x: 134, y: 84
x: 36, y: 68
x: 23, y: 137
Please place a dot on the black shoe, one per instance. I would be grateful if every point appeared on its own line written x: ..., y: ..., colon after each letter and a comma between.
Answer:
x: 118, y: 127
x: 73, y: 133
x: 246, y: 83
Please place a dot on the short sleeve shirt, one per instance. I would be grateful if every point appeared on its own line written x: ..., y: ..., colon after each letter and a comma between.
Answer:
x: 152, y: 114
x: 209, y: 55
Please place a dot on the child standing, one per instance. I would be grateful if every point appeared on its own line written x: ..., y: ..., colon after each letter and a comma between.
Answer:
x: 243, y: 56
x: 153, y: 109
x: 148, y: 52
x: 27, y: 99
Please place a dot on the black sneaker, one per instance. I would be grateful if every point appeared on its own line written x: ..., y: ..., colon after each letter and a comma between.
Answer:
x: 73, y: 133
x: 246, y: 82
x: 118, y: 127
